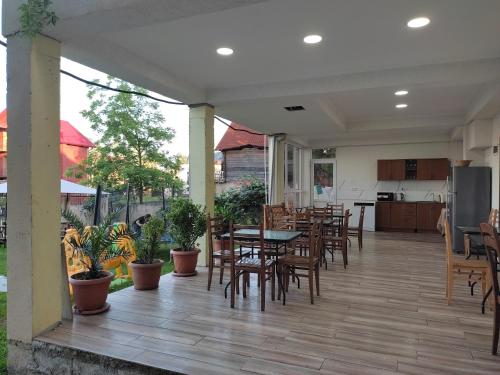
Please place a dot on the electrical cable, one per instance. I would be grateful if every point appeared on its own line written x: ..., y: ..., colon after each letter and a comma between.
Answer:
x: 132, y: 92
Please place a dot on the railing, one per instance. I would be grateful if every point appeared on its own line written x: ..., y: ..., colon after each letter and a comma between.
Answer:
x: 219, y: 177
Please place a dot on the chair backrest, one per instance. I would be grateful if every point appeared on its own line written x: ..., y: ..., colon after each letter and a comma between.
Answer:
x: 285, y: 223
x: 447, y: 239
x: 273, y: 213
x: 493, y: 217
x: 314, y: 242
x: 235, y: 243
x: 345, y: 226
x: 318, y: 212
x: 492, y: 247
x: 215, y: 228
x: 361, y: 217
x: 336, y: 209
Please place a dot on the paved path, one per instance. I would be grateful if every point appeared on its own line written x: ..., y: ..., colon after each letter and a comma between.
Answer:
x: 3, y: 283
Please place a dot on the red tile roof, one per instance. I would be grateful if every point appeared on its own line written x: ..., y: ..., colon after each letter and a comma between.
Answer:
x: 235, y: 140
x: 69, y: 134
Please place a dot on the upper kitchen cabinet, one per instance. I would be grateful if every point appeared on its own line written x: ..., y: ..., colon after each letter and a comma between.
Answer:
x: 432, y: 169
x: 404, y: 169
x: 391, y: 170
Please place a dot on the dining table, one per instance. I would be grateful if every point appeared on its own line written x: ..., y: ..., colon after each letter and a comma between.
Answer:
x: 277, y: 238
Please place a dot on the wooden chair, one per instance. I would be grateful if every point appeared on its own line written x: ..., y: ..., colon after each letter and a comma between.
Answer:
x: 218, y: 249
x: 333, y: 241
x: 492, y: 220
x: 358, y: 231
x: 460, y: 267
x: 309, y: 263
x: 492, y: 247
x: 244, y: 266
x: 273, y: 213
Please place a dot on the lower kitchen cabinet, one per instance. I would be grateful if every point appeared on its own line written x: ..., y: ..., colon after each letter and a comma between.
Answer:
x: 407, y: 216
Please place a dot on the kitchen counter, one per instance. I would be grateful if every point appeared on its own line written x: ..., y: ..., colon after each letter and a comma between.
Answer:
x: 407, y: 216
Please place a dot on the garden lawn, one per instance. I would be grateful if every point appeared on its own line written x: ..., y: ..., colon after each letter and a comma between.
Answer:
x: 163, y: 254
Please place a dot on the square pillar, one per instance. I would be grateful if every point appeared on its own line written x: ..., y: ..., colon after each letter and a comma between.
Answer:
x: 33, y: 226
x: 201, y: 163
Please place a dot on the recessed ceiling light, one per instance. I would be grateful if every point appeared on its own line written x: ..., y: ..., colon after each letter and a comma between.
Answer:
x: 225, y: 51
x: 313, y: 39
x: 418, y: 22
x: 401, y: 93
x: 402, y: 105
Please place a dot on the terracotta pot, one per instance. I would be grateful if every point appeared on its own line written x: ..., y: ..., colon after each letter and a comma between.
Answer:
x: 146, y: 276
x: 185, y: 262
x: 90, y: 295
x: 221, y: 245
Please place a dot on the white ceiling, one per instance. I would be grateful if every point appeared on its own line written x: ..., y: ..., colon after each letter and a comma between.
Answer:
x: 346, y: 83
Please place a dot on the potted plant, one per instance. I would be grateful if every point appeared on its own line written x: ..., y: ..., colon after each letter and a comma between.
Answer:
x: 186, y: 223
x: 146, y: 269
x: 93, y: 245
x: 227, y: 214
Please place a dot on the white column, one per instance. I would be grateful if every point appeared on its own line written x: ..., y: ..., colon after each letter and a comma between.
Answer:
x: 201, y: 163
x: 276, y: 176
x: 34, y: 260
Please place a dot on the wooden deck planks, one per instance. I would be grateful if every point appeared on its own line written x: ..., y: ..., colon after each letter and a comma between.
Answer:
x: 385, y: 314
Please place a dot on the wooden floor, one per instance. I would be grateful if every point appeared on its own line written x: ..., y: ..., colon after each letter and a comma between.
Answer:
x: 385, y: 314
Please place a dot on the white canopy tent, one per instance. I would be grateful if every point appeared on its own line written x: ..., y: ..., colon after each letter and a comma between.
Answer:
x: 67, y: 187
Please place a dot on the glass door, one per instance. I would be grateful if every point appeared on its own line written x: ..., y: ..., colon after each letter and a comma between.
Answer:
x: 324, y: 182
x: 293, y: 173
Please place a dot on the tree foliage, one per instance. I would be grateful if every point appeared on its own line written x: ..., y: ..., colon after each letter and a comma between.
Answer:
x: 34, y: 15
x: 131, y: 148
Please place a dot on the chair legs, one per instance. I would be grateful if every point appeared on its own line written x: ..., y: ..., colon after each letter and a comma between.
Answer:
x: 317, y: 279
x: 311, y: 285
x: 449, y: 286
x: 360, y: 240
x: 210, y: 272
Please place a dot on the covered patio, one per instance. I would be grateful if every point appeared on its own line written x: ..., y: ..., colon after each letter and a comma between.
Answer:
x: 372, y: 91
x: 386, y: 314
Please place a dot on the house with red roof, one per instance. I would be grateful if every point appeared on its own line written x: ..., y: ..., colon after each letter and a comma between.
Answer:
x: 244, y: 154
x: 74, y: 146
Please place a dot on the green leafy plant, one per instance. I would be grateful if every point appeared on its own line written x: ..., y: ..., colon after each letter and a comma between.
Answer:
x: 186, y: 222
x: 95, y: 244
x: 34, y: 15
x: 242, y: 205
x: 148, y: 244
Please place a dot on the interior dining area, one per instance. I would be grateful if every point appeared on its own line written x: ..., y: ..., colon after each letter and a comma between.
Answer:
x: 376, y: 250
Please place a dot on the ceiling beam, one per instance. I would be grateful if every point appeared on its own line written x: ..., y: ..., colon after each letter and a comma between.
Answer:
x: 487, y: 105
x: 338, y: 118
x: 437, y: 75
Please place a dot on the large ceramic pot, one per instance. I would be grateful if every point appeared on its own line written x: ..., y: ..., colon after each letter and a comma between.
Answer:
x: 185, y: 262
x: 90, y: 295
x: 146, y: 276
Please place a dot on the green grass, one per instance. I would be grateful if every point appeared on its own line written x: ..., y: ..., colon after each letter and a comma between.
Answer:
x: 3, y: 260
x: 163, y: 254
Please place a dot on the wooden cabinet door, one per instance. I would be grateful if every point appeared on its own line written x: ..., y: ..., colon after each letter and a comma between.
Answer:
x: 398, y: 170
x: 382, y: 215
x: 428, y: 215
x: 440, y: 169
x: 383, y: 170
x: 424, y: 167
x: 404, y: 216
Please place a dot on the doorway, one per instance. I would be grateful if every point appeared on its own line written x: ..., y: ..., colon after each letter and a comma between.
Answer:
x: 324, y: 178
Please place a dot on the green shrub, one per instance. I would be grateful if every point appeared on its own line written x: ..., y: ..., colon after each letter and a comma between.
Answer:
x: 148, y: 244
x: 242, y: 205
x: 186, y: 222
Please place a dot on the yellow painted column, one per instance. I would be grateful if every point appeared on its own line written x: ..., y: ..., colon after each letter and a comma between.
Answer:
x: 201, y: 163
x: 33, y: 257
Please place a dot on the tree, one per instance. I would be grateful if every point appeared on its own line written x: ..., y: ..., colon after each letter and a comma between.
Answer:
x: 130, y: 149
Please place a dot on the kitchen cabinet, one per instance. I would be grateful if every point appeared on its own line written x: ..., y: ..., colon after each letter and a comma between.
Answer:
x: 407, y: 216
x: 384, y: 170
x: 382, y: 215
x: 391, y: 170
x: 404, y: 216
x: 432, y: 169
x: 403, y: 169
x: 428, y: 215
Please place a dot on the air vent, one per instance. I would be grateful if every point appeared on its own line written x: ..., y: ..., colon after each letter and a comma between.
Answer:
x: 294, y: 108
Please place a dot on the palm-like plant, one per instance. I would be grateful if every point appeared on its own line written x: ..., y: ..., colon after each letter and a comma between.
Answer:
x: 95, y: 244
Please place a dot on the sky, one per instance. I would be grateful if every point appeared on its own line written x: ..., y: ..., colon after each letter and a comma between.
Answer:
x: 74, y: 100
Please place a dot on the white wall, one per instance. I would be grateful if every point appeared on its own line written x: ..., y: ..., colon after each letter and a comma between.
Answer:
x: 357, y: 170
x: 493, y: 160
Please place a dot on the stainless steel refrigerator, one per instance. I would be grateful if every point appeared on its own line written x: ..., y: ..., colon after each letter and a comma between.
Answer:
x: 469, y: 200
